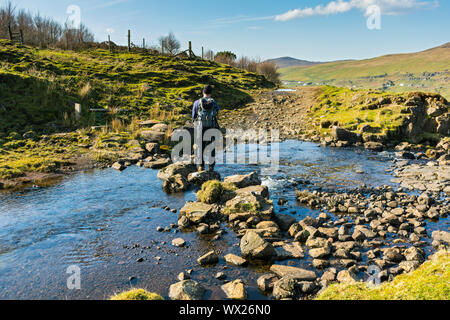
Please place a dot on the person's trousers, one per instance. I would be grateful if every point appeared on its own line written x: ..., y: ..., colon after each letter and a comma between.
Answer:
x: 202, y: 145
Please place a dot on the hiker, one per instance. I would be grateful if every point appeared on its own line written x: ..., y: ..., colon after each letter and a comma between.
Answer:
x: 204, y: 115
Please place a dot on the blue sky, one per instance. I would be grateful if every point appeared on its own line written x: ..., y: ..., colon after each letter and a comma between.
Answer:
x: 266, y: 29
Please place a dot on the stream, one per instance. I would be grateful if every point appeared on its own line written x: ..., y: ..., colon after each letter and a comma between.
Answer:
x: 104, y: 222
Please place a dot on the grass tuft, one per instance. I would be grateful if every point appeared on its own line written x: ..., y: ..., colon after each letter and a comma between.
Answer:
x: 430, y: 282
x: 136, y: 295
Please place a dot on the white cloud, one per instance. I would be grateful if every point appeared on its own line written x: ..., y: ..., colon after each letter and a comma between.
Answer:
x: 110, y: 30
x: 389, y: 7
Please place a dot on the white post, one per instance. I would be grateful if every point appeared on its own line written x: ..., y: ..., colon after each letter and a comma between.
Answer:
x: 77, y: 111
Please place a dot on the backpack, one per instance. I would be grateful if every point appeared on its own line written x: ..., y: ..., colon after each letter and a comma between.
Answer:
x: 207, y: 112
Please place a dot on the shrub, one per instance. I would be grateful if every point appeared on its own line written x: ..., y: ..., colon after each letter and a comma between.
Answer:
x: 215, y: 192
x: 269, y: 70
x: 226, y: 57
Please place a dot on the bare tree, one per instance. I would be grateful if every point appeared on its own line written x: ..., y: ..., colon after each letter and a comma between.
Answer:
x: 24, y: 22
x: 169, y: 44
x: 269, y: 70
x: 252, y: 66
x: 7, y: 18
x: 40, y: 30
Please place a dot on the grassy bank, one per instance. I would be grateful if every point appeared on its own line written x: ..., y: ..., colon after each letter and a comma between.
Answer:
x: 61, y: 152
x: 430, y: 282
x: 377, y: 116
x: 39, y: 87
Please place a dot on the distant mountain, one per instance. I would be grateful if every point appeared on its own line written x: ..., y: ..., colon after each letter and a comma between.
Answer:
x: 286, y: 62
x: 426, y: 70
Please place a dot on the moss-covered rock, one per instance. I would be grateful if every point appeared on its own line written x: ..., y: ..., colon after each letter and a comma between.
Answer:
x: 137, y: 294
x: 216, y: 192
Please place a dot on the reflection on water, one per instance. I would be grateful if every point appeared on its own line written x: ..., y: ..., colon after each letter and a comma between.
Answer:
x: 104, y: 221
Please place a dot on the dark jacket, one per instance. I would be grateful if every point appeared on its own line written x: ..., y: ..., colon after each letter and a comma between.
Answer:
x: 195, y: 109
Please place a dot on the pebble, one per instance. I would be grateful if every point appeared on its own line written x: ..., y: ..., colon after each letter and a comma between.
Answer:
x: 221, y: 276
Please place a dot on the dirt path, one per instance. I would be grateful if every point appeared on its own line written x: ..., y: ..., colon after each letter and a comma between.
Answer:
x: 286, y: 111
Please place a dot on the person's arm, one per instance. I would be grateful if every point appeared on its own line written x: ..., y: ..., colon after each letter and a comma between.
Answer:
x: 195, y: 111
x: 217, y: 114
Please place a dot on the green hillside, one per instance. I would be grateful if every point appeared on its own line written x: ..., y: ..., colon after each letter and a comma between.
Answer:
x: 39, y: 87
x: 39, y: 132
x: 426, y: 71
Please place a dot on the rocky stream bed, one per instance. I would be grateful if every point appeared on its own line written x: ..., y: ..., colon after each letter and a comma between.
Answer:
x: 330, y: 214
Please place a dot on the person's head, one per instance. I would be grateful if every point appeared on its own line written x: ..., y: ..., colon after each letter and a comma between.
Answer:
x: 207, y: 91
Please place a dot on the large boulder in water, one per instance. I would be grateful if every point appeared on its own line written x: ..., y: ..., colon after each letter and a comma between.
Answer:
x: 235, y: 290
x: 243, y: 181
x: 341, y: 134
x: 261, y: 191
x: 285, y: 221
x: 197, y: 212
x: 250, y: 203
x: 265, y: 229
x: 200, y: 178
x: 186, y: 290
x: 255, y: 247
x: 175, y: 184
x: 157, y: 164
x: 181, y: 168
x: 293, y: 273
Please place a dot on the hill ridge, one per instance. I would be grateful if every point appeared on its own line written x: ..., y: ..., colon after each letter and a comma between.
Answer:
x: 426, y: 70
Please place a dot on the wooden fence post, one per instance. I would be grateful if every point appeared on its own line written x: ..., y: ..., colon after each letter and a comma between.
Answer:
x: 10, y: 33
x: 143, y: 43
x: 129, y: 40
x: 77, y: 111
x: 190, y: 49
x: 203, y: 53
x: 109, y: 44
